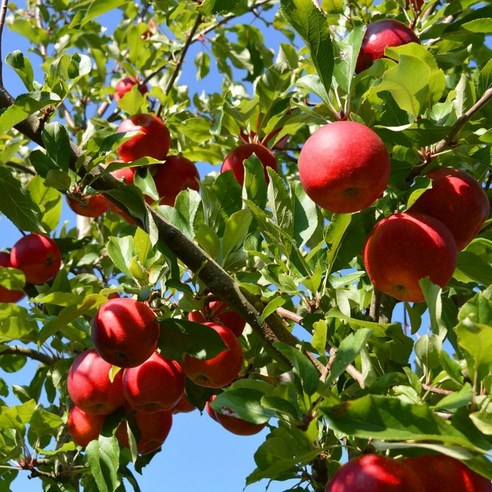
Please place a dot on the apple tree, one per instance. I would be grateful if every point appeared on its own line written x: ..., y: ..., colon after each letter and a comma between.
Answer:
x: 337, y: 358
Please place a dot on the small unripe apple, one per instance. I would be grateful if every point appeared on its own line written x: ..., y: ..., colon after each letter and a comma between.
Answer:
x: 84, y: 427
x: 152, y: 430
x: 125, y: 85
x: 38, y: 256
x: 220, y: 370
x: 152, y: 140
x: 344, y: 166
x: 125, y: 332
x: 374, y: 473
x: 440, y: 472
x: 230, y: 420
x: 380, y: 35
x: 175, y: 174
x: 235, y: 159
x: 458, y: 201
x: 90, y: 387
x: 403, y: 248
x: 88, y: 205
x: 7, y: 295
x: 156, y: 384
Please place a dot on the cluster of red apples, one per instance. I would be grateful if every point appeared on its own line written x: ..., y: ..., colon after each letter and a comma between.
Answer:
x: 344, y: 167
x: 424, y: 473
x: 37, y: 256
x: 125, y: 372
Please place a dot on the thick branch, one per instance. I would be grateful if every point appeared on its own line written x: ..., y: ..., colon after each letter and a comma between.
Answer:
x: 28, y: 352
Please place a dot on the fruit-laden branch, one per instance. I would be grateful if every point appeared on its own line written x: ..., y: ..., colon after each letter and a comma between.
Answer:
x: 215, y: 278
x: 28, y: 352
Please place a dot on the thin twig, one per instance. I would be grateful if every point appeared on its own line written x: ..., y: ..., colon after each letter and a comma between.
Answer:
x: 28, y: 352
x: 3, y: 14
x: 21, y: 167
x: 439, y: 391
x: 286, y: 314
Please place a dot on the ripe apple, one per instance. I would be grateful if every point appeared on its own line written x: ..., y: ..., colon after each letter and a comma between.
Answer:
x: 403, y: 248
x: 458, y: 201
x: 441, y: 472
x: 175, y: 174
x: 230, y: 420
x: 219, y: 312
x: 380, y: 35
x: 344, y: 166
x: 125, y: 332
x: 220, y: 370
x: 152, y: 140
x: 7, y: 295
x: 156, y: 384
x: 234, y: 160
x: 183, y: 405
x: 152, y: 430
x: 126, y: 84
x: 82, y: 426
x: 88, y: 205
x: 374, y: 473
x: 89, y: 385
x: 38, y: 256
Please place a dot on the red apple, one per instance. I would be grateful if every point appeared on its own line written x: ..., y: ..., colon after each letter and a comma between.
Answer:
x: 125, y: 85
x: 125, y: 332
x: 219, y: 312
x: 88, y: 205
x: 380, y: 35
x: 83, y: 427
x: 440, y: 472
x: 90, y: 387
x: 374, y: 473
x: 183, y: 405
x: 38, y: 256
x: 220, y: 370
x: 403, y: 248
x: 152, y: 140
x: 234, y: 160
x: 156, y: 384
x: 7, y: 295
x: 230, y: 420
x: 458, y: 201
x: 344, y: 166
x: 152, y: 429
x: 175, y: 174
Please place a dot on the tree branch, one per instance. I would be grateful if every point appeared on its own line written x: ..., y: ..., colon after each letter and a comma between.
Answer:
x: 28, y: 352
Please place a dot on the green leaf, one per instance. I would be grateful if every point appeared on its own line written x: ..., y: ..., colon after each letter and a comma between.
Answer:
x: 427, y: 349
x: 309, y: 21
x: 183, y: 214
x: 461, y: 398
x: 271, y: 307
x: 236, y: 230
x: 24, y: 106
x: 211, y: 7
x: 306, y: 216
x: 103, y: 456
x: 22, y: 67
x: 17, y: 204
x: 415, y: 82
x: 120, y: 250
x: 432, y: 295
x: 179, y: 337
x: 57, y: 144
x: 476, y: 340
x: 334, y: 235
x: 49, y: 201
x: 348, y: 350
x: 483, y: 422
x: 320, y: 335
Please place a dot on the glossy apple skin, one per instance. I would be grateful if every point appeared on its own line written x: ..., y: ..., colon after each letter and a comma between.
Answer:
x: 220, y: 370
x: 156, y: 384
x: 153, y: 140
x: 90, y: 387
x: 125, y: 332
x: 374, y: 473
x: 89, y: 205
x: 38, y: 256
x: 403, y: 248
x: 440, y: 472
x: 153, y: 429
x: 83, y: 427
x: 344, y: 166
x: 125, y: 85
x: 219, y: 312
x: 380, y: 35
x: 458, y: 201
x: 231, y: 421
x: 175, y: 174
x: 7, y: 295
x: 234, y: 160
